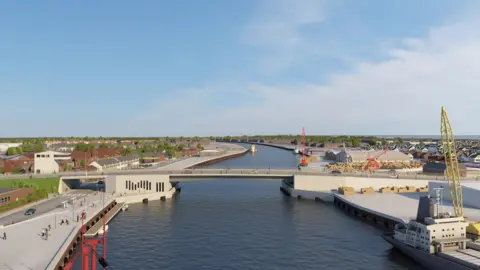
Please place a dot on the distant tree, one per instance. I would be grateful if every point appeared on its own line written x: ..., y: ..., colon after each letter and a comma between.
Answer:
x: 354, y: 142
x: 38, y: 148
x: 12, y: 151
x: 103, y: 145
x: 126, y: 151
x: 84, y: 147
x: 171, y: 152
x: 82, y: 163
x: 200, y: 147
x: 26, y: 147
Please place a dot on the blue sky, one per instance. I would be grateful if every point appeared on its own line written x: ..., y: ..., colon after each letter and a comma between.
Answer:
x: 167, y: 68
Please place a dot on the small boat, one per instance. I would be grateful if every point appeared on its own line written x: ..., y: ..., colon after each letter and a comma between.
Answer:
x: 101, y: 232
x: 296, y: 151
x: 253, y: 149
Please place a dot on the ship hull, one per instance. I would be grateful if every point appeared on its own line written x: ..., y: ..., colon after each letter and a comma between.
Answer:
x: 423, y: 258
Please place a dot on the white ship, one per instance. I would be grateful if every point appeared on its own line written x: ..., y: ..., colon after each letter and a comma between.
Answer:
x: 252, y: 148
x: 436, y: 242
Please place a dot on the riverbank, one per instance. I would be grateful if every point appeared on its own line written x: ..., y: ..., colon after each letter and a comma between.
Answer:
x: 195, y: 162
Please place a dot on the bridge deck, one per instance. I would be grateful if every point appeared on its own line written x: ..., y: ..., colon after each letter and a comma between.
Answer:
x: 93, y: 231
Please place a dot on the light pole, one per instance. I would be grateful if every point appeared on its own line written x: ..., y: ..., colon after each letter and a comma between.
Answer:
x: 438, y: 192
x: 73, y: 209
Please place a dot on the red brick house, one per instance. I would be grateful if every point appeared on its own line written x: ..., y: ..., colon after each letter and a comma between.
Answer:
x: 19, y: 165
x: 96, y: 154
x: 10, y: 195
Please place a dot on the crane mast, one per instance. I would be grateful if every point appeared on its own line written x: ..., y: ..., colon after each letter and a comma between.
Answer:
x: 452, y: 172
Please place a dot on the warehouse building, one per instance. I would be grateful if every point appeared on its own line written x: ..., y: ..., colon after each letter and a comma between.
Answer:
x: 353, y: 156
x: 438, y: 168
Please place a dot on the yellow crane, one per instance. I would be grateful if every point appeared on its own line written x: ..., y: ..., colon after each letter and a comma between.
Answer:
x: 452, y: 172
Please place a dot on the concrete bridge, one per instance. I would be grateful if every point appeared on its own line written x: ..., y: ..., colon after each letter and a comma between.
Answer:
x: 180, y: 174
x: 189, y: 174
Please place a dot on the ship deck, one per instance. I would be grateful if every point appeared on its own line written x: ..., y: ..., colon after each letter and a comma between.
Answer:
x: 469, y: 257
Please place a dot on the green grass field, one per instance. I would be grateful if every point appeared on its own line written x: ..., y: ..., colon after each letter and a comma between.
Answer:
x: 41, y: 183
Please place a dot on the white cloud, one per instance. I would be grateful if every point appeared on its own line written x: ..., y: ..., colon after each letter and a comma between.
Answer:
x: 277, y: 26
x: 401, y: 95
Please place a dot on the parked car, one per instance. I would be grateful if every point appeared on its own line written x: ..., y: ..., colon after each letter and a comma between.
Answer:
x: 30, y: 211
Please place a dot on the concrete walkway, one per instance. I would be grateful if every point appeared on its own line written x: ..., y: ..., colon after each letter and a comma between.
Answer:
x: 189, y: 162
x: 25, y: 248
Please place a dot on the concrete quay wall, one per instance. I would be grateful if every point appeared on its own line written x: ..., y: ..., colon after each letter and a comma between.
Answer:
x: 217, y: 159
x: 367, y: 215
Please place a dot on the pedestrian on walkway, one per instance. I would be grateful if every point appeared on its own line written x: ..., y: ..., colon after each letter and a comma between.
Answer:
x: 4, y: 236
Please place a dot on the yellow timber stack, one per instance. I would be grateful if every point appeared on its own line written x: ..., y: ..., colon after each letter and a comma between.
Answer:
x: 452, y: 172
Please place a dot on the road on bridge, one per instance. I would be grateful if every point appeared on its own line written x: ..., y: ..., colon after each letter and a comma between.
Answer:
x: 246, y: 171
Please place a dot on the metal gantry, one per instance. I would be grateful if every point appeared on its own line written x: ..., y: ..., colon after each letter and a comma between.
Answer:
x: 452, y: 172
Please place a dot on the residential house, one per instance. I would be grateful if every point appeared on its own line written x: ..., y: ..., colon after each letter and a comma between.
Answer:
x: 62, y: 147
x: 188, y: 152
x: 93, y: 155
x: 18, y: 166
x: 50, y: 161
x: 331, y: 154
x: 152, y: 157
x: 118, y: 163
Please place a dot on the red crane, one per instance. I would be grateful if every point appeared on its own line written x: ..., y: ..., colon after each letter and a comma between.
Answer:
x: 303, y: 161
x: 372, y: 163
x: 88, y: 249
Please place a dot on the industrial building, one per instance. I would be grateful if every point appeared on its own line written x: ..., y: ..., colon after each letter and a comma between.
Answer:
x: 49, y: 162
x: 10, y: 195
x: 438, y: 168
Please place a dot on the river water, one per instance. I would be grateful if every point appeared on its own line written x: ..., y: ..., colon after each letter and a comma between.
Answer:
x: 245, y: 224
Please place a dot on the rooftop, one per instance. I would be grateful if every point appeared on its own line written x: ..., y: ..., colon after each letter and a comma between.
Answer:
x: 5, y: 190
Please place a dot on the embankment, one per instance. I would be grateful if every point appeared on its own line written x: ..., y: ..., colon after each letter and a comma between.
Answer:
x: 216, y: 160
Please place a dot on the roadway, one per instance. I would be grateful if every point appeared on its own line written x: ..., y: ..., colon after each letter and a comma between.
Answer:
x: 26, y: 248
x: 246, y: 171
x: 43, y: 207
